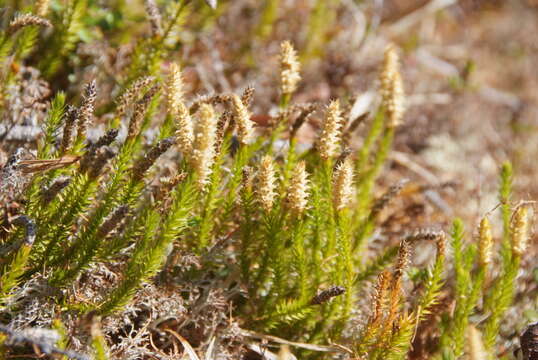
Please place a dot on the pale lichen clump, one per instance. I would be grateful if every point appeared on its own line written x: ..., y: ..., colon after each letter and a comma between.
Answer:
x: 245, y: 128
x: 289, y: 69
x: 297, y: 197
x: 177, y: 109
x: 266, y: 183
x: 392, y: 92
x: 519, y: 228
x: 203, y: 153
x: 343, y: 185
x: 330, y: 134
x: 485, y: 243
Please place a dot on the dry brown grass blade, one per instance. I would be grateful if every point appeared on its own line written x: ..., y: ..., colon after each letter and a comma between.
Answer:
x: 212, y: 3
x: 210, y: 349
x: 416, y: 16
x: 313, y: 347
x: 188, y: 348
x: 32, y: 166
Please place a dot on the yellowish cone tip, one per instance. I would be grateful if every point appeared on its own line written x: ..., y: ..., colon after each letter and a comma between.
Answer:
x: 203, y: 152
x: 245, y: 128
x: 177, y: 109
x: 266, y: 183
x: 392, y: 92
x: 297, y: 198
x: 185, y: 131
x: 343, y: 185
x: 42, y: 7
x: 485, y: 242
x: 476, y: 349
x: 519, y: 228
x: 331, y: 132
x: 289, y: 68
x: 285, y: 353
x: 174, y: 89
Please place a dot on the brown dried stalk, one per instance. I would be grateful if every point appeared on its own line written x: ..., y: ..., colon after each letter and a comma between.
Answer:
x: 86, y: 109
x: 140, y: 109
x: 131, y: 93
x: 142, y: 165
x: 23, y: 20
x: 327, y: 295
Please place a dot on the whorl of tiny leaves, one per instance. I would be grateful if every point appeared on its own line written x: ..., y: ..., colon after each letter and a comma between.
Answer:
x: 142, y: 264
x: 434, y: 280
x: 485, y: 242
x: 10, y: 279
x: 288, y: 311
x: 65, y: 36
x: 53, y: 124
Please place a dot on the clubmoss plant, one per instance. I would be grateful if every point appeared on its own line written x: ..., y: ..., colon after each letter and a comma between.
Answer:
x: 251, y: 228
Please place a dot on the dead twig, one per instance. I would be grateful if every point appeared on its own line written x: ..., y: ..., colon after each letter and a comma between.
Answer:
x: 313, y: 347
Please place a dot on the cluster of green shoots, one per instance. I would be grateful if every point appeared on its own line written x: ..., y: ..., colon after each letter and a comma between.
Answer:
x: 292, y: 225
